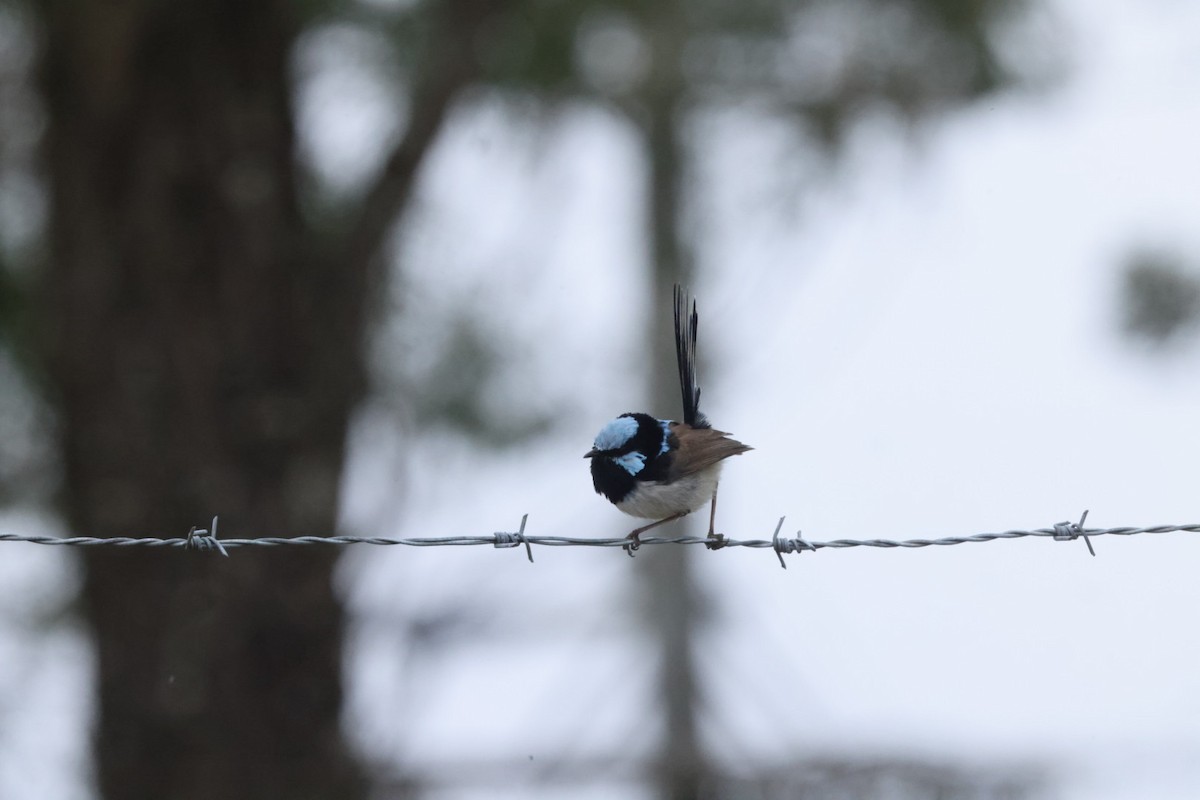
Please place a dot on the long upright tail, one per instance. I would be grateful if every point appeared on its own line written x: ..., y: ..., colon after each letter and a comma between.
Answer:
x: 685, y: 352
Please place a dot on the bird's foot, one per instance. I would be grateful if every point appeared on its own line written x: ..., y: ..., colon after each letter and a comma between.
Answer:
x: 715, y: 541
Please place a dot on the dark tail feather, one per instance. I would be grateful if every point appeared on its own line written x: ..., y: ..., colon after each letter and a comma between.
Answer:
x: 685, y: 352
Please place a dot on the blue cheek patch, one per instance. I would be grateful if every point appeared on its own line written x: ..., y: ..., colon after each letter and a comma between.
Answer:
x: 615, y: 434
x: 633, y: 463
x: 666, y: 429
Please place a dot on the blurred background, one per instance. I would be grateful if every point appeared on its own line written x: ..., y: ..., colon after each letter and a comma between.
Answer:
x: 385, y: 267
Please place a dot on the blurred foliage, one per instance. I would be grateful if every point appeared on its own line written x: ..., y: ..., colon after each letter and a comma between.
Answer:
x: 455, y: 389
x: 817, y: 58
x: 826, y: 64
x: 26, y: 456
x: 1161, y: 296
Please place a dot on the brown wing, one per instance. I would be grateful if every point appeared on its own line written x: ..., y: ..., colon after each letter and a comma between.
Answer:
x: 700, y: 448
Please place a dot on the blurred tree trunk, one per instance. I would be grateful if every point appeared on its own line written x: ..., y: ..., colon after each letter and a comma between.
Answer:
x: 204, y: 352
x: 669, y: 572
x: 204, y: 360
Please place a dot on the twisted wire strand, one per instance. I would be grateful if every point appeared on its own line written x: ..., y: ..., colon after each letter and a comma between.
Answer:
x: 206, y: 539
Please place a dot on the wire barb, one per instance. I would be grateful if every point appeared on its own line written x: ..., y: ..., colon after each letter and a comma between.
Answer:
x: 1070, y: 531
x: 775, y: 543
x: 799, y: 545
x: 502, y: 539
x: 202, y: 539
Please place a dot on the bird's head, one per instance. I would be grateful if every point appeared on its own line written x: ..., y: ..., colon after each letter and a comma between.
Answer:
x: 629, y: 442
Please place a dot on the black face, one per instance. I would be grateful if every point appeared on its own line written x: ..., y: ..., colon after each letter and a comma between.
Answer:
x: 633, y: 447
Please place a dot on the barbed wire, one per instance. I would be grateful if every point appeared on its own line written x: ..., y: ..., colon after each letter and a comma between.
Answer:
x: 206, y: 539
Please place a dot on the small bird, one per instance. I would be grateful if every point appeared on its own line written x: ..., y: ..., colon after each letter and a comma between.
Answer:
x: 659, y: 469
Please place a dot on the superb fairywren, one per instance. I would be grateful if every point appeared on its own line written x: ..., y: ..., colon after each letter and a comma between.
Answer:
x: 658, y: 469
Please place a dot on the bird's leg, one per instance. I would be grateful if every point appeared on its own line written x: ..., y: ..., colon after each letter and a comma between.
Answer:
x: 715, y: 540
x: 634, y: 536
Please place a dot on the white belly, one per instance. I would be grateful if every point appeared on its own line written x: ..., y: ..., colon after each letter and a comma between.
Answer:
x: 658, y: 501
